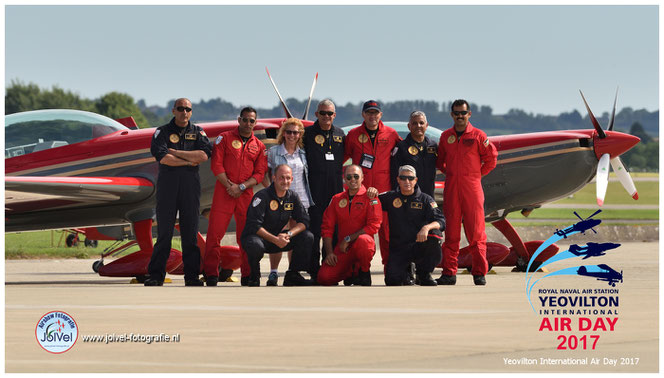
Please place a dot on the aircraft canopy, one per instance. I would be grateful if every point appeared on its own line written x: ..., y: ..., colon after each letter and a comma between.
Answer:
x: 39, y: 130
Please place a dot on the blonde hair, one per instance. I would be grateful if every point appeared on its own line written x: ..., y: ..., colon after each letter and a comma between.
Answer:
x: 291, y: 121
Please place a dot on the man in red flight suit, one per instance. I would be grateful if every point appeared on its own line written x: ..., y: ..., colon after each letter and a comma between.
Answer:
x: 464, y: 156
x: 358, y: 218
x: 370, y: 146
x: 239, y: 162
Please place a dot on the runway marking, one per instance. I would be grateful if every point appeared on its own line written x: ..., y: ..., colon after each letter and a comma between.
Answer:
x: 189, y: 308
x: 229, y: 366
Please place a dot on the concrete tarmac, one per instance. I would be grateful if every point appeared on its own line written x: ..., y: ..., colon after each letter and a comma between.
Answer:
x: 462, y: 328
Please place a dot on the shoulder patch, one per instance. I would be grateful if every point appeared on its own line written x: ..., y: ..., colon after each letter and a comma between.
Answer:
x: 219, y: 138
x: 203, y: 133
x: 373, y: 202
x: 394, y: 150
x: 156, y: 133
x: 257, y: 201
x: 433, y: 205
x: 486, y: 142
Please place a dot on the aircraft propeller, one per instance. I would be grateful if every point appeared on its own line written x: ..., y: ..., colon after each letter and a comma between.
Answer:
x: 602, y: 179
x: 283, y: 103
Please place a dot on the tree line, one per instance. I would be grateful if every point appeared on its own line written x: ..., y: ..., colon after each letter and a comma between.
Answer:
x: 23, y: 97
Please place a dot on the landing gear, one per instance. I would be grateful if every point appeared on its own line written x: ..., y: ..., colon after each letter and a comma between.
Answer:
x: 91, y: 243
x: 96, y: 265
x: 71, y: 240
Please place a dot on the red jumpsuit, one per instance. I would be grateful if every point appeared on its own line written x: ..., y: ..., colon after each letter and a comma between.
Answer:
x: 356, y: 145
x: 239, y: 162
x: 350, y: 217
x: 464, y: 160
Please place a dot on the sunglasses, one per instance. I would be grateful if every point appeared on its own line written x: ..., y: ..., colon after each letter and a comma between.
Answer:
x: 183, y: 109
x: 324, y: 113
x: 463, y: 112
x: 250, y: 120
x: 409, y: 178
x: 351, y: 177
x: 292, y: 132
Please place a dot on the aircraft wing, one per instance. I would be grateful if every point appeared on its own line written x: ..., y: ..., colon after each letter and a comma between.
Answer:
x: 32, y: 193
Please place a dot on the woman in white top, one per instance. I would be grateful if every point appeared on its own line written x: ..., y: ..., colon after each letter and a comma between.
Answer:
x: 289, y: 150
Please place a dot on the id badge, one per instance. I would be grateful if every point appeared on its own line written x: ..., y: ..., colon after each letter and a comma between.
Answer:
x: 367, y: 161
x: 329, y: 156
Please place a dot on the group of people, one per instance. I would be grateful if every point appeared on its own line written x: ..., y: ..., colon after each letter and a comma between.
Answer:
x: 310, y: 195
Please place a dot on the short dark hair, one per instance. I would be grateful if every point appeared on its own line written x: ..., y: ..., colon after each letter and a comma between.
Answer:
x: 460, y: 102
x: 248, y: 109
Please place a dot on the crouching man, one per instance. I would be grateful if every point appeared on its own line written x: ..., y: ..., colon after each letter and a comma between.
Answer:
x: 358, y: 218
x: 269, y: 212
x: 416, y: 225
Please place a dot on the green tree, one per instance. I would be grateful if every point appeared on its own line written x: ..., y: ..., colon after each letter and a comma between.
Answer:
x: 120, y: 105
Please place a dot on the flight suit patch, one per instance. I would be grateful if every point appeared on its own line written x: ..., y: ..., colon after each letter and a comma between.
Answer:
x: 416, y: 205
x: 288, y: 206
x: 236, y: 144
x: 468, y: 142
x: 451, y: 139
x: 190, y: 136
x: 431, y: 150
x: 319, y: 139
x: 363, y: 138
x: 413, y: 150
x: 397, y: 203
x: 337, y: 138
x: 343, y: 203
x: 174, y: 138
x: 274, y: 205
x: 433, y: 205
x: 486, y: 142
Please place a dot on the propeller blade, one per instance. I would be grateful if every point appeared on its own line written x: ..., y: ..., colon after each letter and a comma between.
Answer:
x: 613, y: 114
x: 624, y: 177
x: 283, y: 104
x: 577, y: 215
x: 602, y: 179
x: 311, y: 93
x: 595, y: 213
x: 601, y: 132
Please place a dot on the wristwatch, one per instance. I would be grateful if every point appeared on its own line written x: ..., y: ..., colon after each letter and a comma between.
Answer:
x: 347, y: 239
x: 290, y: 234
x: 242, y: 187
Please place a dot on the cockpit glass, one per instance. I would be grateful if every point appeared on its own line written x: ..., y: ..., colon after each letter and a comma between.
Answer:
x: 40, y: 130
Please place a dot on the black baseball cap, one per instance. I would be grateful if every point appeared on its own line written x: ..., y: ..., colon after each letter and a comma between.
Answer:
x: 371, y: 104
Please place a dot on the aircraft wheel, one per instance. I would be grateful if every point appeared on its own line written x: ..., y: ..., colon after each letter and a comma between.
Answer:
x: 91, y: 243
x: 71, y: 241
x: 96, y: 265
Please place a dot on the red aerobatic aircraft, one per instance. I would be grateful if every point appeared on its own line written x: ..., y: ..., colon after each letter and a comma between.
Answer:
x: 74, y: 169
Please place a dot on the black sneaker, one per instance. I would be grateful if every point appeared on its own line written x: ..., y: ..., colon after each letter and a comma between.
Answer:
x: 194, y: 282
x: 410, y: 274
x: 352, y: 280
x: 446, y: 280
x: 211, y: 280
x: 272, y: 279
x: 244, y: 281
x: 153, y: 282
x: 364, y: 278
x: 479, y: 280
x: 294, y: 278
x: 225, y: 274
x: 426, y: 280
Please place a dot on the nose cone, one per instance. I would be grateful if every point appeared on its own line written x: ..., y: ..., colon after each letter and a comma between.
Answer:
x: 615, y: 143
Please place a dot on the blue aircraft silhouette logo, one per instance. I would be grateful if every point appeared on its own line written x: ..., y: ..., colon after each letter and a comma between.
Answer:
x: 604, y: 273
x: 582, y: 226
x: 591, y: 249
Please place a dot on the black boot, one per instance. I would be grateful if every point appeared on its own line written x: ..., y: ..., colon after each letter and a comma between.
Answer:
x: 479, y: 280
x: 425, y: 279
x: 294, y: 278
x: 364, y: 278
x: 446, y: 280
